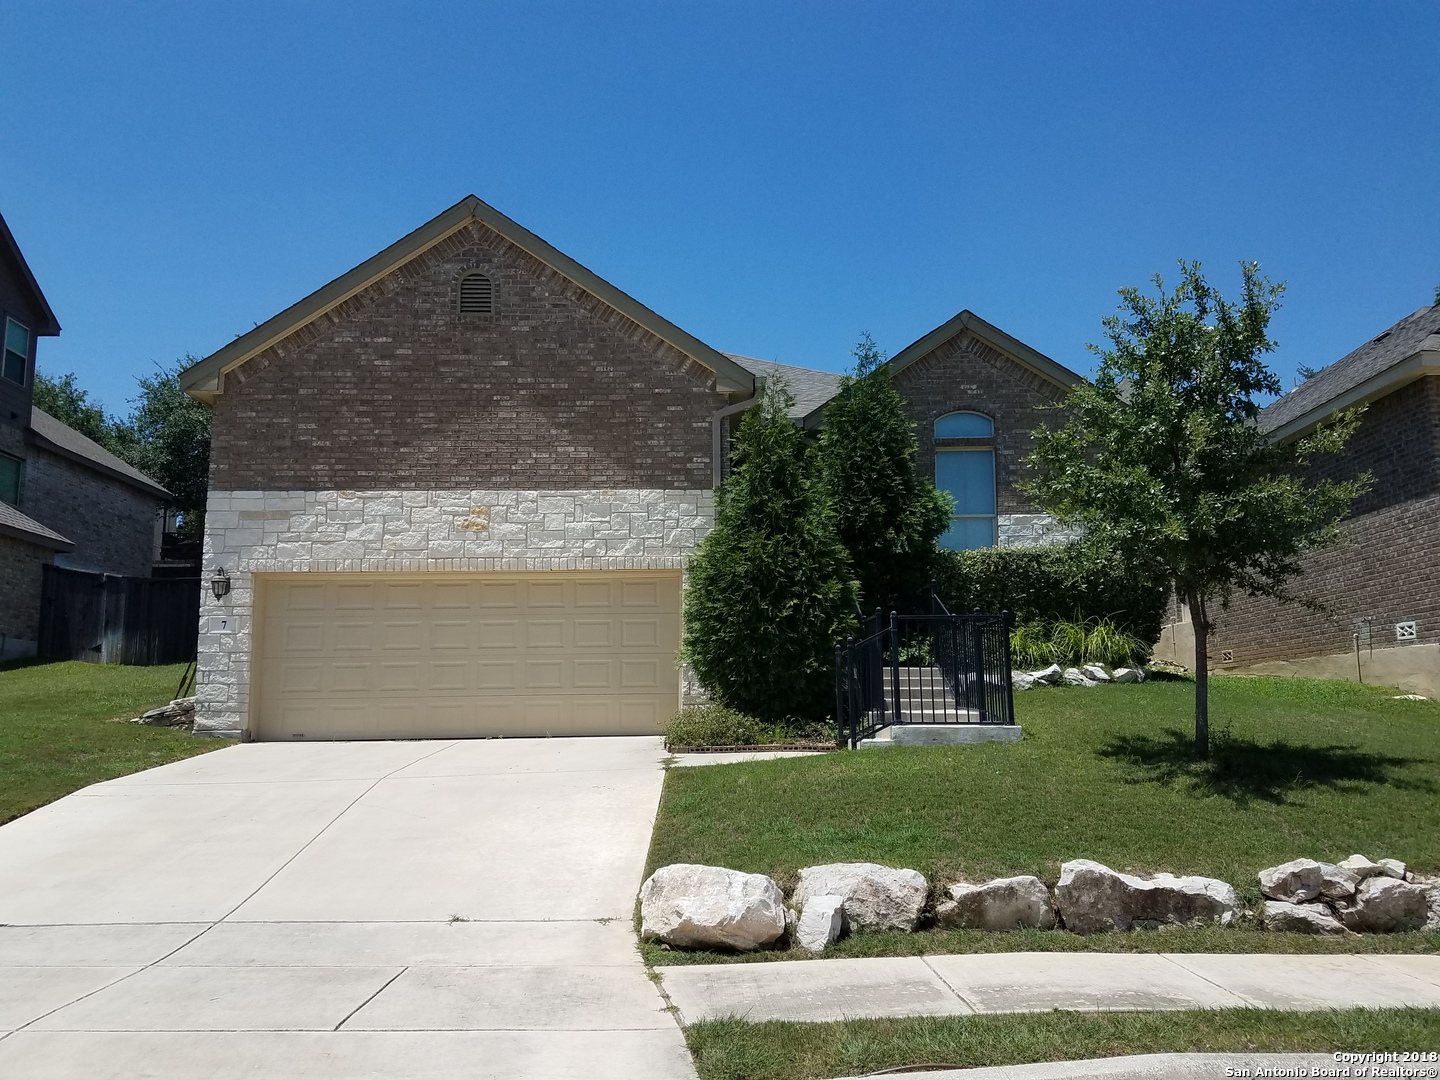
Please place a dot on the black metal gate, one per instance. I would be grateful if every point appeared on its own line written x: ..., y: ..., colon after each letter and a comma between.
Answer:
x: 109, y: 619
x: 924, y: 669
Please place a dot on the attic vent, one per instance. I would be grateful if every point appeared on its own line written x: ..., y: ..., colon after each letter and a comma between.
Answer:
x: 477, y: 294
x: 1383, y: 336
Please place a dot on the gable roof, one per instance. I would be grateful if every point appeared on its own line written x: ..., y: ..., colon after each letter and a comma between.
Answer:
x: 16, y: 525
x: 993, y: 336
x: 1405, y: 352
x: 49, y: 325
x: 810, y: 388
x: 205, y: 379
x: 61, y: 439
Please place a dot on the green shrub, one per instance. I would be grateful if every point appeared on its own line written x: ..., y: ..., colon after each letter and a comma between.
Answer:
x: 770, y: 591
x: 1053, y: 583
x: 713, y: 725
x: 1099, y: 641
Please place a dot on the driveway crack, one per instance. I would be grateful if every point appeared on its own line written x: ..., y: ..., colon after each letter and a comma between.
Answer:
x: 369, y: 999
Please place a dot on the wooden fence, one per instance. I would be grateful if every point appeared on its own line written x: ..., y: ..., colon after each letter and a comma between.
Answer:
x: 108, y: 619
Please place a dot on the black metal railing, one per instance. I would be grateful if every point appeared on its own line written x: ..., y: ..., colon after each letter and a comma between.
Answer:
x: 923, y: 669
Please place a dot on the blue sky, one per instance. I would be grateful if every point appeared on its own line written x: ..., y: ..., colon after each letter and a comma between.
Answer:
x: 773, y: 177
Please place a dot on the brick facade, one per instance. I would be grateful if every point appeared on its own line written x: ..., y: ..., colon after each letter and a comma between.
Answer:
x: 115, y: 527
x: 393, y: 389
x: 1386, y: 572
x: 20, y: 565
x: 967, y: 374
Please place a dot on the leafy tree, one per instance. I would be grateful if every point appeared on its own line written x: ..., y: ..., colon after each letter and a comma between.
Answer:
x: 887, y: 516
x: 1162, y: 458
x: 72, y: 406
x: 171, y: 433
x: 1306, y: 372
x: 769, y: 590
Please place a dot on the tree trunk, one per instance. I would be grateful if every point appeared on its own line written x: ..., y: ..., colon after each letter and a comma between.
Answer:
x: 1200, y: 621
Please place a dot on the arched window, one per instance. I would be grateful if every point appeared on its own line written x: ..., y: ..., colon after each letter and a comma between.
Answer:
x: 965, y: 467
x: 476, y: 294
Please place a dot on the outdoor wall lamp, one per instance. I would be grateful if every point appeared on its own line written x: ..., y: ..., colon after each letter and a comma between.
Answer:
x: 220, y: 583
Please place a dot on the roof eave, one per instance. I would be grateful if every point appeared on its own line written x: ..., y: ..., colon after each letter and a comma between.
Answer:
x: 52, y: 447
x: 1416, y: 366
x: 992, y: 335
x: 50, y: 326
x: 205, y: 379
x: 54, y: 543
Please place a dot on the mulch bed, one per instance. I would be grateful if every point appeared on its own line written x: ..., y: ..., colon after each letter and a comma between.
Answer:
x: 815, y: 746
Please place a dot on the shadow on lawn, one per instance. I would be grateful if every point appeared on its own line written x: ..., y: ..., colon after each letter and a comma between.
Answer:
x: 1243, y: 770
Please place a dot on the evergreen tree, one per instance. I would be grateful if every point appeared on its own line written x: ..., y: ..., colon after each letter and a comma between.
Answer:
x: 769, y: 591
x: 171, y: 443
x: 887, y: 515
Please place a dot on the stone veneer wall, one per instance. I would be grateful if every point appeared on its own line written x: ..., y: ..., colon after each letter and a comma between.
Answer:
x: 1026, y: 530
x: 250, y: 532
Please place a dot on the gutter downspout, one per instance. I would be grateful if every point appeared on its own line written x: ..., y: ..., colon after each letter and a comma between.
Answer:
x: 717, y: 423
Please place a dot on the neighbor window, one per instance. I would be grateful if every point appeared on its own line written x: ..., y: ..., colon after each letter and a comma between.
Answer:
x: 17, y: 352
x: 9, y: 480
x: 965, y: 467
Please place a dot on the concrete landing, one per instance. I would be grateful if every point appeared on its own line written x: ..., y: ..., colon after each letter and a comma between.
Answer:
x: 943, y: 735
x: 824, y: 990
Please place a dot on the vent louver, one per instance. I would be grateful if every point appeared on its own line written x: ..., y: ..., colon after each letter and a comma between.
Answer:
x: 477, y: 295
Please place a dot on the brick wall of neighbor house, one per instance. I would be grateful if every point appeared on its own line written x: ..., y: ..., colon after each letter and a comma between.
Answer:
x: 1387, y: 572
x: 393, y: 389
x: 967, y: 374
x: 20, y: 595
x: 112, y: 525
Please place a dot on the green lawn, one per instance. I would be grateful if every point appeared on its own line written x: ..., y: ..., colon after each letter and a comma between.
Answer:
x: 1300, y: 768
x: 58, y: 730
x: 735, y: 1050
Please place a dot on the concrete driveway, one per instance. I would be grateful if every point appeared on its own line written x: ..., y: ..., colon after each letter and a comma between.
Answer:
x: 389, y: 909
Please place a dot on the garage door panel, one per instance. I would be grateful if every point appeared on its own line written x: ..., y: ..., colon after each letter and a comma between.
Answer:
x: 449, y: 656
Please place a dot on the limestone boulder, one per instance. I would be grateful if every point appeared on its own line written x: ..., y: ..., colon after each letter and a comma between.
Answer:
x: 710, y: 907
x: 1003, y: 904
x: 821, y: 923
x: 1361, y: 867
x: 1393, y: 868
x: 1091, y: 897
x: 1076, y: 677
x: 1293, y: 882
x: 875, y: 897
x: 1337, y: 883
x: 1050, y: 676
x: 1127, y: 675
x: 1386, y: 905
x: 1023, y: 680
x: 1095, y: 672
x: 1302, y: 918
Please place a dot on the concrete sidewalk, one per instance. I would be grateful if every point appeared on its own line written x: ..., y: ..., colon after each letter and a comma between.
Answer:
x: 821, y: 990
x: 402, y: 910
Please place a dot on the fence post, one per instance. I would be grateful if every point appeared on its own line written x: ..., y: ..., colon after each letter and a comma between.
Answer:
x: 979, y: 657
x: 1009, y: 675
x: 840, y: 681
x: 895, y: 667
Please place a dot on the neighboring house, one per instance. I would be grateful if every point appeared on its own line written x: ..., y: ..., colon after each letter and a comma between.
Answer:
x: 453, y: 492
x: 1381, y: 590
x: 63, y: 498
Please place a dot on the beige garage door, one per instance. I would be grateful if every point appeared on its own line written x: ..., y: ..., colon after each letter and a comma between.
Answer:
x: 421, y: 655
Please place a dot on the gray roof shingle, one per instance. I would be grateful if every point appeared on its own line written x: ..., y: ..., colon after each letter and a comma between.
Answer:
x: 14, y: 523
x: 71, y: 441
x: 1384, y: 351
x: 811, y: 388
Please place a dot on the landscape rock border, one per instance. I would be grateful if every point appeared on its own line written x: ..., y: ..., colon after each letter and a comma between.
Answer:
x: 688, y: 905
